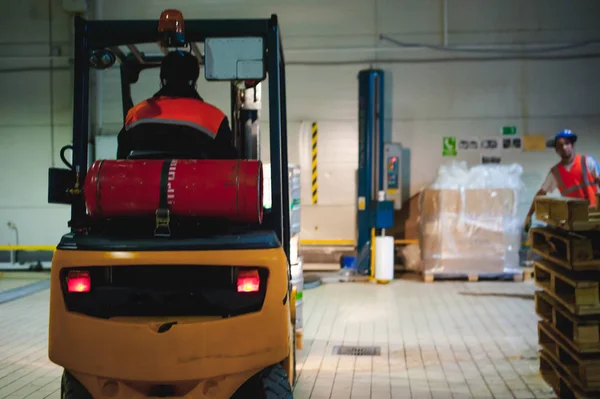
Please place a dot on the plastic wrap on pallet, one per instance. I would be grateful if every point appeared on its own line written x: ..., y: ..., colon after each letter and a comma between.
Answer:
x: 457, y: 175
x: 468, y: 221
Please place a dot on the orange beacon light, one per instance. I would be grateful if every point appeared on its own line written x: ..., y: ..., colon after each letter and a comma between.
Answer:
x: 172, y: 28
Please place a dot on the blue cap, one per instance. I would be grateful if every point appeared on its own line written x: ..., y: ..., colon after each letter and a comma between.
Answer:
x: 566, y: 134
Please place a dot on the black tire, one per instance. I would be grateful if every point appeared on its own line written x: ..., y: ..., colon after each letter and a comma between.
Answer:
x: 271, y: 383
x: 70, y: 388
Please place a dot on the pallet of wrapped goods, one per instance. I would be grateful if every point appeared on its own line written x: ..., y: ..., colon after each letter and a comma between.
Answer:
x: 578, y: 292
x: 581, y: 332
x: 574, y: 251
x: 556, y: 376
x: 572, y: 214
x: 469, y: 234
x: 581, y: 369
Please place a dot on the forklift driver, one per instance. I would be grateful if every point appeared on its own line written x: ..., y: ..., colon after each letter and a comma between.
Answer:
x: 176, y: 120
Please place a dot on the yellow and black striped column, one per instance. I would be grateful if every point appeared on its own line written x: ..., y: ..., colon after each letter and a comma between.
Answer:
x: 315, y: 184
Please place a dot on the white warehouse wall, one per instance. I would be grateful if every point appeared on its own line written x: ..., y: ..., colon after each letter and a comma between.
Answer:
x: 35, y: 117
x: 428, y: 100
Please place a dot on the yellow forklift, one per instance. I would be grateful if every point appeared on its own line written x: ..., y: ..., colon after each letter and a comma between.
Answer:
x: 173, y: 302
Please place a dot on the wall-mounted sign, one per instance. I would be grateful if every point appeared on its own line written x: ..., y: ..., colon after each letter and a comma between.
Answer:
x: 449, y: 146
x: 490, y: 159
x: 509, y: 130
x: 512, y: 143
x: 489, y: 144
x: 468, y: 144
x: 534, y: 142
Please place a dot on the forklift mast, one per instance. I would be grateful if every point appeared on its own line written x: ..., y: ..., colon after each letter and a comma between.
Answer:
x: 98, y: 44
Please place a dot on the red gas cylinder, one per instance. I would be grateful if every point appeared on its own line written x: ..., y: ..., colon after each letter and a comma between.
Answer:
x: 230, y: 189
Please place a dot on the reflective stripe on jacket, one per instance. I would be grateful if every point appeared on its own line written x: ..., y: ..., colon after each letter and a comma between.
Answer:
x: 177, y: 111
x: 577, y: 182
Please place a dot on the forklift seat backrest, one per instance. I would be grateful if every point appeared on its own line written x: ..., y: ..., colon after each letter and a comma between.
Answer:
x: 173, y: 141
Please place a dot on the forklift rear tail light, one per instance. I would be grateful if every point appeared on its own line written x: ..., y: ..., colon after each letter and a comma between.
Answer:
x: 248, y: 281
x: 79, y: 281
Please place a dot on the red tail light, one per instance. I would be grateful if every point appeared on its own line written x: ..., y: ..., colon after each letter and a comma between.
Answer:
x: 79, y: 281
x: 248, y: 281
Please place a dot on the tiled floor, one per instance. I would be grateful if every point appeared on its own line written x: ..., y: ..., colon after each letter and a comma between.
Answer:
x: 25, y: 370
x: 439, y: 340
x: 11, y: 280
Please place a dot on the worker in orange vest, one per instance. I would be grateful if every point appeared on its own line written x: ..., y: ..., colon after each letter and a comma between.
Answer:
x: 575, y: 176
x: 176, y: 120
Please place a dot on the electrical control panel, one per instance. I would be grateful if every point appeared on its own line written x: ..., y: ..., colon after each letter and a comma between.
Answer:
x: 393, y: 177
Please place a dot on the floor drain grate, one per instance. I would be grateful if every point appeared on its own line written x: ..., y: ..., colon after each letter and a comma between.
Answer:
x: 357, y: 350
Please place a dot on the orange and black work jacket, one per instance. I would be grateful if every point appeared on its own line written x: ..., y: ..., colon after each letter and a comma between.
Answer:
x: 180, y: 125
x: 577, y: 182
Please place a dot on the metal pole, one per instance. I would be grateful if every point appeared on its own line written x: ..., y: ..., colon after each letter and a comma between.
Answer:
x: 376, y: 136
x: 80, y: 116
x: 275, y: 129
x: 285, y: 187
x: 99, y: 82
x: 380, y: 113
x: 366, y: 164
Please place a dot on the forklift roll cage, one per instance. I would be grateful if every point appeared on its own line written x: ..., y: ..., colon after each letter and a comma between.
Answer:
x: 91, y: 36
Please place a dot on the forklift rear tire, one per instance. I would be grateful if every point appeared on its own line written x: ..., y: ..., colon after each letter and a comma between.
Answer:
x: 271, y: 383
x: 70, y: 388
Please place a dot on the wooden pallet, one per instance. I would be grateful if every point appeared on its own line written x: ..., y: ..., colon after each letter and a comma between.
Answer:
x: 429, y: 277
x: 571, y: 214
x: 581, y: 333
x: 578, y: 292
x: 556, y: 376
x: 583, y: 370
x: 573, y: 251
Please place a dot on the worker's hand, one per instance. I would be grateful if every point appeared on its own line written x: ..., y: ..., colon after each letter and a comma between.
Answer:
x: 527, y: 225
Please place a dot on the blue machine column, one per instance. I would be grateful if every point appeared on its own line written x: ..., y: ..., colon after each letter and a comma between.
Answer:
x: 370, y: 159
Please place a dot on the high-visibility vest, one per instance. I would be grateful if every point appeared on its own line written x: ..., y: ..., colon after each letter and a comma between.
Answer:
x: 577, y: 182
x: 189, y: 112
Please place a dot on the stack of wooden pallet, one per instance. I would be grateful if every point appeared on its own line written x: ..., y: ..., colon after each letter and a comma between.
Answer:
x: 569, y: 302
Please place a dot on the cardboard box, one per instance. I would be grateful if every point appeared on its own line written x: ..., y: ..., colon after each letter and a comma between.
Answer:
x: 484, y: 245
x: 436, y: 202
x: 492, y: 203
x: 476, y: 202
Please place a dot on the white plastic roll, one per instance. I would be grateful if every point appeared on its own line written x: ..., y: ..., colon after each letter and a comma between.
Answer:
x: 384, y: 258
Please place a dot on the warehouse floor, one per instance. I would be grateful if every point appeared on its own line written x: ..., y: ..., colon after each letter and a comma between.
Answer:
x: 437, y: 340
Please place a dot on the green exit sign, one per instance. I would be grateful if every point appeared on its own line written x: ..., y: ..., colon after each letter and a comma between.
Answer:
x: 509, y: 130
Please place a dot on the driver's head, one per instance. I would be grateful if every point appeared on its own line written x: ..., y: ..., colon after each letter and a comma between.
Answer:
x: 179, y: 67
